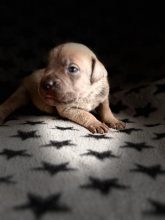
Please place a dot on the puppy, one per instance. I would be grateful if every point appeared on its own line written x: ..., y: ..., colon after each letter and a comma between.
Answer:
x: 73, y: 84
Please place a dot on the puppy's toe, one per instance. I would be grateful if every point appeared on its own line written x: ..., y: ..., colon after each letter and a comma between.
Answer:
x: 118, y: 125
x: 98, y: 127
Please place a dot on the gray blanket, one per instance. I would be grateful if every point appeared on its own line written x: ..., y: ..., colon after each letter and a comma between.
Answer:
x: 51, y: 168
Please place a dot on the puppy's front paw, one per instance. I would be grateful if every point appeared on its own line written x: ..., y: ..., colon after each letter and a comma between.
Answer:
x: 98, y: 127
x: 116, y: 124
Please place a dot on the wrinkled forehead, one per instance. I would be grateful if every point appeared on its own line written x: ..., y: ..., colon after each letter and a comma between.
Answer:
x: 77, y: 54
x: 76, y: 48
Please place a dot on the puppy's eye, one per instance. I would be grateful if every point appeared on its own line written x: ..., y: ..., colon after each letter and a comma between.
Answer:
x: 73, y: 69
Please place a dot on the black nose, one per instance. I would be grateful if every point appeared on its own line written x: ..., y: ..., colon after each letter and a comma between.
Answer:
x: 48, y: 85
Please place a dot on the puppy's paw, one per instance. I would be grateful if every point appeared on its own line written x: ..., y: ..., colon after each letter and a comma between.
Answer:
x: 98, y: 127
x: 118, y: 125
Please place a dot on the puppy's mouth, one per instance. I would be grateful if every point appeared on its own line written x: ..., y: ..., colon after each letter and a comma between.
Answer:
x: 53, y: 100
x: 53, y: 92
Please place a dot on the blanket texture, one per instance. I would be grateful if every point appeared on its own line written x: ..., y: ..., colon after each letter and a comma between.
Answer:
x: 52, y: 168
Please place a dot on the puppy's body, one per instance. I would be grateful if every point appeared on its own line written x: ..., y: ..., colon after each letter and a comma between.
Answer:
x: 88, y: 102
x: 73, y: 84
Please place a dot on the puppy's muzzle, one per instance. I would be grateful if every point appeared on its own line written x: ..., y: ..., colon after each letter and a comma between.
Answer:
x: 50, y: 85
x: 53, y: 90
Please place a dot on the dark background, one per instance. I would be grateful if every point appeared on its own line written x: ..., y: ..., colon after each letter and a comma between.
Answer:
x: 128, y: 37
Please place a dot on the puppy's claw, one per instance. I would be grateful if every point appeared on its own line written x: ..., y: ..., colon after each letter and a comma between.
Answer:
x: 118, y: 125
x: 98, y: 127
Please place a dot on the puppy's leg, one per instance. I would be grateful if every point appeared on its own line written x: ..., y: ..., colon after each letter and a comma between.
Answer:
x: 83, y: 118
x: 17, y: 99
x: 107, y: 116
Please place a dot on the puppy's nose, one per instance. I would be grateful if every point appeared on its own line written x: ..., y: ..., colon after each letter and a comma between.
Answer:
x: 50, y: 84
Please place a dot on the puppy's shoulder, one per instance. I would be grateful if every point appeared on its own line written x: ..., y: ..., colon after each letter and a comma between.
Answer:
x: 99, y: 91
x: 35, y: 77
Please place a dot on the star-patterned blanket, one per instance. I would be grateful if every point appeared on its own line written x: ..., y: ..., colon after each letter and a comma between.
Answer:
x: 52, y: 168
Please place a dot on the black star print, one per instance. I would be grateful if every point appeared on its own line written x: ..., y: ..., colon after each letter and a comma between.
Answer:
x: 145, y: 111
x: 119, y: 106
x: 34, y: 123
x: 127, y: 121
x: 65, y: 128
x: 40, y: 206
x: 138, y: 146
x: 158, y: 208
x: 130, y: 130
x: 7, y: 180
x: 136, y: 90
x: 59, y: 144
x: 160, y: 89
x: 152, y: 125
x: 14, y: 153
x: 26, y: 134
x: 3, y: 125
x: 53, y: 169
x: 104, y: 186
x: 100, y: 155
x: 97, y: 136
x: 159, y: 136
x: 152, y: 171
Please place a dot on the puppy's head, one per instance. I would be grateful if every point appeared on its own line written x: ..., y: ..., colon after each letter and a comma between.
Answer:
x: 72, y: 69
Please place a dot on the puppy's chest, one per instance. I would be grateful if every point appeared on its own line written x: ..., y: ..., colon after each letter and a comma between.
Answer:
x: 90, y: 103
x: 94, y: 96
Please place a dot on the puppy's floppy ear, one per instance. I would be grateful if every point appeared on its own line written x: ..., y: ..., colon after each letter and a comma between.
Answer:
x: 98, y: 70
